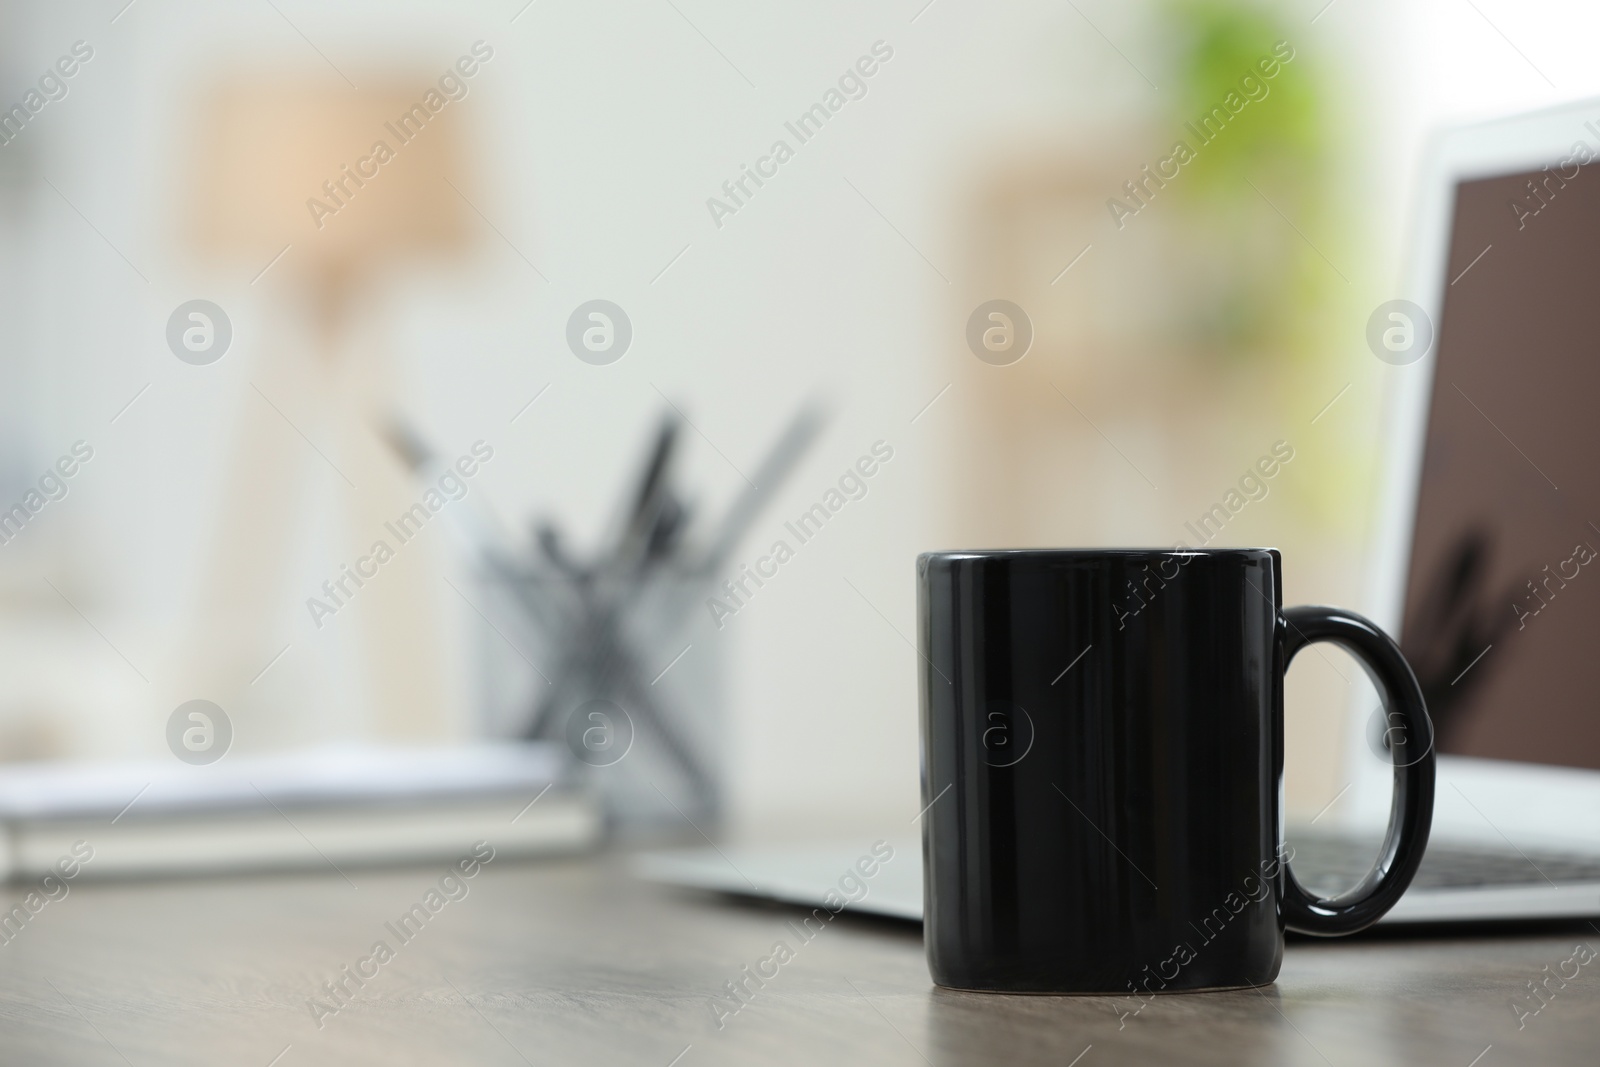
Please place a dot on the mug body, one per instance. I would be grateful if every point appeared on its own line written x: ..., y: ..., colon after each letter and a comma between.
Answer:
x: 1102, y: 757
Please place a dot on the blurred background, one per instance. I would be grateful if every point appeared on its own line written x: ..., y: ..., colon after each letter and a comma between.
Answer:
x: 602, y: 152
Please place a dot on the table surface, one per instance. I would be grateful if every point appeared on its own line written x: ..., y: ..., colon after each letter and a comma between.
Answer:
x: 572, y: 961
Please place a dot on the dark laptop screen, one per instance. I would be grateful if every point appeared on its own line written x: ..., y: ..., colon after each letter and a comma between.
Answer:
x: 1506, y: 554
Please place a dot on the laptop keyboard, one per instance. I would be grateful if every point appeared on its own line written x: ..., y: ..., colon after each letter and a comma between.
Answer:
x: 1329, y: 865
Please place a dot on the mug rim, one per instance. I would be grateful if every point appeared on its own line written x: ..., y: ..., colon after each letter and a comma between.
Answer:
x: 1074, y: 555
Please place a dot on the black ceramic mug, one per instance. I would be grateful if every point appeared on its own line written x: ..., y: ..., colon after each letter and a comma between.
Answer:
x: 1102, y: 738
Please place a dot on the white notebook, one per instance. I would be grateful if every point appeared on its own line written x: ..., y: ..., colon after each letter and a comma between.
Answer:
x: 328, y: 809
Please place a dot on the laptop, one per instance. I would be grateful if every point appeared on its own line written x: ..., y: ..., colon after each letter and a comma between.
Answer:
x: 1486, y: 566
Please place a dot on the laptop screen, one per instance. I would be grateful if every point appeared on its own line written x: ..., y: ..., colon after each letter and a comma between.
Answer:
x: 1502, y: 612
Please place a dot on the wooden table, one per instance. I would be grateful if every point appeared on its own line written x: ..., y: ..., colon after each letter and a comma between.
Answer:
x: 573, y: 962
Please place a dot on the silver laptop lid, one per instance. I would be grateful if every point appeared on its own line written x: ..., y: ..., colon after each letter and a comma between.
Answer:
x: 1483, y: 558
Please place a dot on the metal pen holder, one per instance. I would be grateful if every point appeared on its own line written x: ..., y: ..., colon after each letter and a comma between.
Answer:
x: 614, y: 655
x: 627, y: 678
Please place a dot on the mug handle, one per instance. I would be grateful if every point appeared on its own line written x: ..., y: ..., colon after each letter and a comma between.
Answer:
x: 1411, y: 815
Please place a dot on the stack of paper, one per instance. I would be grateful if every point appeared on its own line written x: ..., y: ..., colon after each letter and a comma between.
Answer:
x: 331, y: 808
